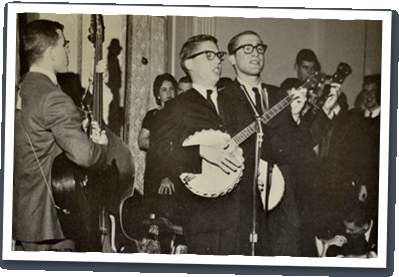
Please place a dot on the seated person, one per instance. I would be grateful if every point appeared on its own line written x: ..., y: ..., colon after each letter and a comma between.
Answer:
x: 360, y: 239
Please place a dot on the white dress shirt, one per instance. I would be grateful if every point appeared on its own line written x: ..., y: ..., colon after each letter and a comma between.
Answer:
x: 214, y: 96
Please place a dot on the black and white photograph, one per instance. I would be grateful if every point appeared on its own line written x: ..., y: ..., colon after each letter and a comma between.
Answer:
x: 206, y: 135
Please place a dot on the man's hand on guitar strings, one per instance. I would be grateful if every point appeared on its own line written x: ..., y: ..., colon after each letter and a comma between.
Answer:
x: 221, y: 156
x: 331, y: 102
x: 299, y: 101
x: 166, y: 187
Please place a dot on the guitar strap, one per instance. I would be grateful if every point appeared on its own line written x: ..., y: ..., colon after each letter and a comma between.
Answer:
x: 41, y: 171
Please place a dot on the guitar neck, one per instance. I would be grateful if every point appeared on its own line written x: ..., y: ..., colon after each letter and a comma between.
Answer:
x: 265, y: 118
x: 320, y: 102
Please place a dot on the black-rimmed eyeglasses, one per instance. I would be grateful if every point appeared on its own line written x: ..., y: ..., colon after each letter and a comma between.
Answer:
x: 249, y: 48
x: 210, y: 55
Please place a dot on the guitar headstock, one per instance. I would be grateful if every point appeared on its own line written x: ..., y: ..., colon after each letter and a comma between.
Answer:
x: 343, y: 70
x: 315, y: 81
x: 96, y: 29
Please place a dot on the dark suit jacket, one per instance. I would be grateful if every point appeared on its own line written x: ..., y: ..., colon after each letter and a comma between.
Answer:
x: 284, y: 143
x: 181, y: 118
x: 189, y: 113
x: 53, y: 124
x: 240, y: 115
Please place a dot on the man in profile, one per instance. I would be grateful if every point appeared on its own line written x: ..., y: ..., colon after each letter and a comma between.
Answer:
x: 47, y: 123
x: 210, y: 225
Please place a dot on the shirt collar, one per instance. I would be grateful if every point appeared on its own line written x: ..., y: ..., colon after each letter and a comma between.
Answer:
x: 248, y: 87
x: 202, y: 89
x: 336, y: 110
x: 48, y: 73
x: 374, y: 113
x: 367, y: 234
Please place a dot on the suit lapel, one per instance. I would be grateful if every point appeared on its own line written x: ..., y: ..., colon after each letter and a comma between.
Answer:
x: 198, y: 98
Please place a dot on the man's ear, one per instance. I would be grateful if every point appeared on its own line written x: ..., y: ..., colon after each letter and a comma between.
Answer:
x: 189, y: 64
x: 232, y: 60
x: 296, y: 67
x: 50, y: 53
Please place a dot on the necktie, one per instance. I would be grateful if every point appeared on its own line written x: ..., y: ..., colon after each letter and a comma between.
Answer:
x: 257, y: 101
x: 209, y: 99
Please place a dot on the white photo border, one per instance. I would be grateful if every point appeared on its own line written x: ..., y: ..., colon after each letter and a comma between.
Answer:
x: 14, y: 8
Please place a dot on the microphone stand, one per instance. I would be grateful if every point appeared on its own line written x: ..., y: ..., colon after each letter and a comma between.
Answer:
x: 259, y: 138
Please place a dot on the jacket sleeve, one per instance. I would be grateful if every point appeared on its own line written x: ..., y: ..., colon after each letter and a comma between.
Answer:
x: 168, y: 139
x: 64, y: 121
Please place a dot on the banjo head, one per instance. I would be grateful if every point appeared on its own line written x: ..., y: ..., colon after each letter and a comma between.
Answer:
x: 212, y: 182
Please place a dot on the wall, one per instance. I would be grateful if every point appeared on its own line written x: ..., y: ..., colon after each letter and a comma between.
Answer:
x: 81, y: 57
x: 356, y: 42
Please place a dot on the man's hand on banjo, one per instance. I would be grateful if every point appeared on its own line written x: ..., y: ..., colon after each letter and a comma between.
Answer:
x: 221, y: 156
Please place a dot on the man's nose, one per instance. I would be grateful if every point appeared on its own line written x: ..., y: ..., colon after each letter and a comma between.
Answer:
x: 255, y: 52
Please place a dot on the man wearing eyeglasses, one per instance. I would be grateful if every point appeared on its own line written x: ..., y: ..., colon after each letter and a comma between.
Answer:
x: 210, y: 225
x: 282, y: 137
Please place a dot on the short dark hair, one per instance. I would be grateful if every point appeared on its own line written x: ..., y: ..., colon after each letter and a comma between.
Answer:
x: 358, y: 213
x: 38, y: 36
x: 158, y: 83
x: 189, y: 47
x: 185, y: 79
x: 307, y: 55
x: 374, y: 79
x: 232, y: 45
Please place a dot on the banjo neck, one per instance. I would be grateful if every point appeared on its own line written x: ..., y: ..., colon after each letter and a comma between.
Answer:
x: 265, y: 118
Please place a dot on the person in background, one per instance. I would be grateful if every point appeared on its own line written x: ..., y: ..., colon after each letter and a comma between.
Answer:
x: 364, y: 143
x: 360, y: 233
x: 160, y: 195
x: 306, y: 65
x: 185, y: 84
x: 164, y: 89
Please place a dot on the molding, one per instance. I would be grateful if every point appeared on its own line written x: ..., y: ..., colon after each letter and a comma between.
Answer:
x: 204, y: 25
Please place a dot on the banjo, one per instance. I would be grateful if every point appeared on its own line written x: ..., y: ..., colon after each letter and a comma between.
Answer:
x: 213, y: 182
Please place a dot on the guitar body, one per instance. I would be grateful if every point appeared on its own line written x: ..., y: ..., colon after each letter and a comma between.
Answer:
x: 74, y: 193
x: 212, y: 181
x: 120, y: 181
x: 81, y: 194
